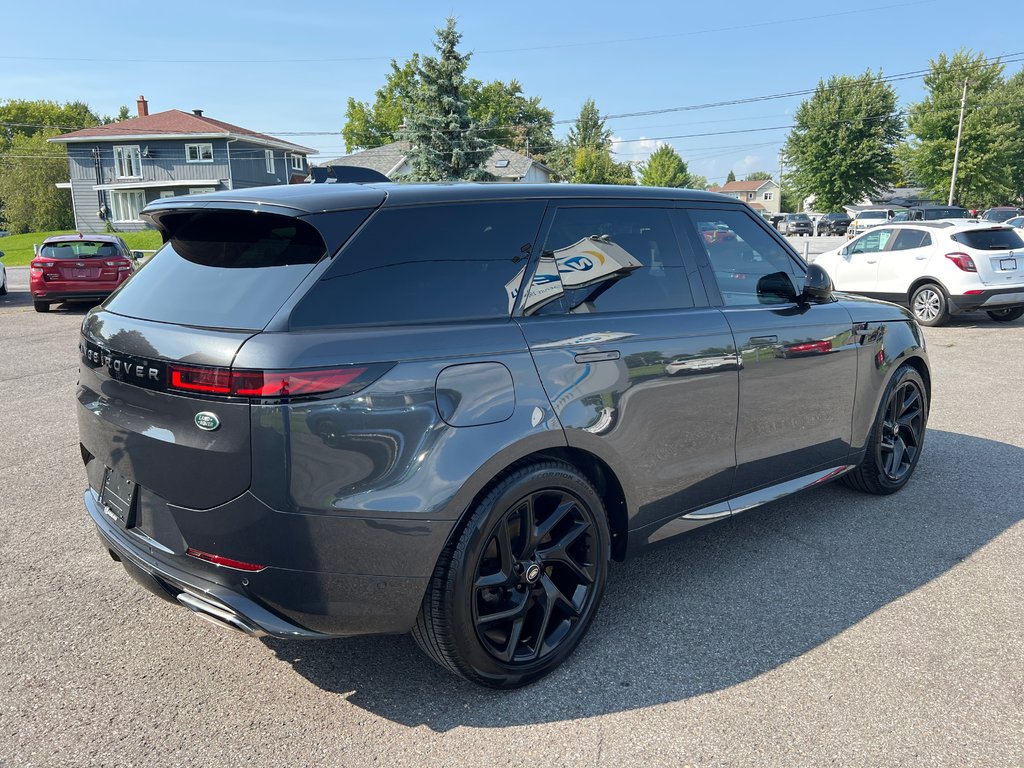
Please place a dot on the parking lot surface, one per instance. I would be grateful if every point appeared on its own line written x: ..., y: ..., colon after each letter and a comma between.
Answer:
x: 828, y: 628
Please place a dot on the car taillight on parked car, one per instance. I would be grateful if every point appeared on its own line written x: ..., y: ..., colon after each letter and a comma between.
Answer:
x: 272, y: 384
x: 48, y: 269
x: 963, y: 261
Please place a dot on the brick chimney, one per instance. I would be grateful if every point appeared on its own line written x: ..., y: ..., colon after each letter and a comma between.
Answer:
x: 143, y: 106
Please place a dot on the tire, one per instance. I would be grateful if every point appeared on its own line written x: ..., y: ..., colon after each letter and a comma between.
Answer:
x: 3, y: 289
x: 490, y: 610
x: 929, y: 305
x: 41, y: 306
x: 1007, y: 315
x: 897, y: 436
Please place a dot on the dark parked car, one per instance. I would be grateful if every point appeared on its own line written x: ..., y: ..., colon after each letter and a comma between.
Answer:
x: 78, y: 268
x: 332, y: 410
x: 796, y: 224
x: 1000, y: 214
x: 936, y: 212
x: 833, y: 224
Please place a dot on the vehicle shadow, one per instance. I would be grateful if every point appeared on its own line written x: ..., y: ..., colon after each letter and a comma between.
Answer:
x: 721, y: 606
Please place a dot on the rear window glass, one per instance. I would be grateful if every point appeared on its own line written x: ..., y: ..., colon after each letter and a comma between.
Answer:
x: 225, y: 269
x: 80, y: 249
x: 429, y: 263
x: 990, y: 239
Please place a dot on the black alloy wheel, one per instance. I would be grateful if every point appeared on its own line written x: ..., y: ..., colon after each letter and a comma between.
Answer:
x: 1006, y: 315
x: 897, y: 438
x: 514, y: 595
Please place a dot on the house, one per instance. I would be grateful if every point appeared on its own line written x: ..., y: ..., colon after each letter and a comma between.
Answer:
x: 117, y: 168
x: 504, y: 164
x: 761, y: 195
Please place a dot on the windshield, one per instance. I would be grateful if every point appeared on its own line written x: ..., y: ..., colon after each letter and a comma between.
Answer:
x: 997, y: 215
x: 79, y: 249
x: 799, y: 217
x: 872, y: 215
x: 930, y: 214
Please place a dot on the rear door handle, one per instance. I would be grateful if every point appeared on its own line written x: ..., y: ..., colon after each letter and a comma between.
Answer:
x: 872, y: 261
x: 597, y: 357
x: 761, y: 341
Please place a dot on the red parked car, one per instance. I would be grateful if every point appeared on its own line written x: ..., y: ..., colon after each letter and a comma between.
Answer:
x: 78, y: 268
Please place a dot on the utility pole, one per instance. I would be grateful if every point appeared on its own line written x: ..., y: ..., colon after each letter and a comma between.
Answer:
x: 780, y: 181
x: 959, y: 135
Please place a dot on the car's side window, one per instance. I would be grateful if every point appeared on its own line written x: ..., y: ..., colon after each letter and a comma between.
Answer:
x: 910, y: 238
x: 873, y: 242
x: 750, y: 266
x: 609, y: 259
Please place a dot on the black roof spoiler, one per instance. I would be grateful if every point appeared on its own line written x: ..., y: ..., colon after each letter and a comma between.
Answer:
x: 345, y: 174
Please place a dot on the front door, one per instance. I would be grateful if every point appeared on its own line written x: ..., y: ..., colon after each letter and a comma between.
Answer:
x: 857, y: 268
x: 799, y: 361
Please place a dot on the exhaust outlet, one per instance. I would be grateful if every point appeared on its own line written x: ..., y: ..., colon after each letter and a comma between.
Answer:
x: 218, y: 615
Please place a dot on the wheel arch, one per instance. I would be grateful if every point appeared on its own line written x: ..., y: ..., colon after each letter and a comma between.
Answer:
x: 924, y: 281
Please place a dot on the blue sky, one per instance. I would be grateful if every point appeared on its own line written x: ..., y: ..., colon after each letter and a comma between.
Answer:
x: 288, y: 68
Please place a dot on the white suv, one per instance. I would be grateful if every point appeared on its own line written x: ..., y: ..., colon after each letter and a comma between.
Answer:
x: 935, y: 268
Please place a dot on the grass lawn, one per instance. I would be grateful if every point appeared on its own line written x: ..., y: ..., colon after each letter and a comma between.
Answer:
x: 17, y: 249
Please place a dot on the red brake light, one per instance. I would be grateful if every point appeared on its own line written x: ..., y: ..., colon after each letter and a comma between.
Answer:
x: 265, y: 384
x: 963, y: 261
x: 226, y: 562
x: 209, y: 381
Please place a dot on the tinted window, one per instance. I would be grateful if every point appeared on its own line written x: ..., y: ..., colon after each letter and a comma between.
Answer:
x: 80, y: 249
x: 910, y: 238
x: 930, y: 214
x: 872, y: 242
x: 224, y: 269
x: 609, y: 260
x: 750, y: 266
x: 427, y: 263
x: 990, y: 239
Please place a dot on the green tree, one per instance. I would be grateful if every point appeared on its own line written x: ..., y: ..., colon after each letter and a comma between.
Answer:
x: 27, y: 118
x: 372, y: 125
x: 730, y: 177
x: 445, y: 141
x: 1015, y: 107
x: 509, y: 118
x: 698, y: 182
x: 758, y: 176
x: 843, y: 145
x: 589, y: 129
x: 29, y: 171
x: 585, y: 157
x: 596, y: 166
x: 664, y: 168
x: 984, y: 174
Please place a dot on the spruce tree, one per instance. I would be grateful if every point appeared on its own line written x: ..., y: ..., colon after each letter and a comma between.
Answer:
x: 445, y: 143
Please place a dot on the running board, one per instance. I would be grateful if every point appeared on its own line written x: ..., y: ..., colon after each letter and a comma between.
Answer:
x: 724, y: 509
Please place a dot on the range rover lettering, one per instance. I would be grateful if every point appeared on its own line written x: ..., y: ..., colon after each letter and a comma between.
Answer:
x: 333, y: 410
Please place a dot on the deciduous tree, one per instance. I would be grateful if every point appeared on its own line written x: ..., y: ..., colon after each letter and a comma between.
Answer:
x: 664, y: 168
x: 843, y: 145
x: 29, y: 172
x: 372, y: 125
x: 987, y: 148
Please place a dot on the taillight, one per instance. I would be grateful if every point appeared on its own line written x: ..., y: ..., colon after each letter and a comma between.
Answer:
x: 963, y: 261
x: 272, y: 384
x: 121, y: 265
x: 226, y: 562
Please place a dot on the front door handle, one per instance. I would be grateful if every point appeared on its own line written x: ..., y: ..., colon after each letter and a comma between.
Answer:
x: 597, y: 357
x: 872, y: 261
x: 763, y: 341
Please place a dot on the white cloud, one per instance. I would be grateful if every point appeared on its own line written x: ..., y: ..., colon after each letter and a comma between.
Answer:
x: 635, y: 150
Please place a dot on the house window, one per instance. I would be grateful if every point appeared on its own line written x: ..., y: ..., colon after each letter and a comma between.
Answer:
x: 200, y: 190
x: 128, y: 204
x: 769, y: 195
x: 128, y: 162
x: 750, y: 195
x: 167, y: 193
x: 296, y: 162
x: 269, y: 155
x: 199, y: 153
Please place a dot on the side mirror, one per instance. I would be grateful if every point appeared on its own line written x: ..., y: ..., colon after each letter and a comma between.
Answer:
x: 817, y: 284
x: 136, y: 255
x: 844, y: 251
x: 1, y: 254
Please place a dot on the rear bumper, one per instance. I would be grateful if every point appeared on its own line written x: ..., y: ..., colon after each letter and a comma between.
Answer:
x: 995, y: 298
x: 278, y: 602
x: 96, y: 294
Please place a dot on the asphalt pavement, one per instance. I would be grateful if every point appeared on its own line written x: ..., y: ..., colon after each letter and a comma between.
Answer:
x: 828, y: 628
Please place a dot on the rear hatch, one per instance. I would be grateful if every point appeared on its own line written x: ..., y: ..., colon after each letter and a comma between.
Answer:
x: 159, y: 402
x: 81, y: 261
x: 997, y: 252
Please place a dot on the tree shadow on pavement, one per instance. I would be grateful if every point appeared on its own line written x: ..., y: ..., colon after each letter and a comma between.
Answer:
x: 721, y: 606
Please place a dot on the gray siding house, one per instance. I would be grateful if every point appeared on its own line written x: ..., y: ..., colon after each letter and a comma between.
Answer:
x: 116, y: 169
x: 504, y: 164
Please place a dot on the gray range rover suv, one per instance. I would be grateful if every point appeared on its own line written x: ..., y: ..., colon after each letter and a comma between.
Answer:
x: 337, y: 409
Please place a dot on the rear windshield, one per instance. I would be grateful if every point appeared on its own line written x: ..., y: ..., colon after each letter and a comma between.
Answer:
x: 990, y: 239
x: 1000, y: 215
x: 225, y: 269
x: 79, y: 249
